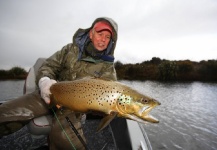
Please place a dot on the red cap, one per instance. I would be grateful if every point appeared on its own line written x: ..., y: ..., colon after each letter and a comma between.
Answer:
x: 102, y: 25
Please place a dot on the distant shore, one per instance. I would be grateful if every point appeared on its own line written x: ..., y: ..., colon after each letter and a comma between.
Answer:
x: 155, y: 69
x: 165, y: 70
x: 15, y: 73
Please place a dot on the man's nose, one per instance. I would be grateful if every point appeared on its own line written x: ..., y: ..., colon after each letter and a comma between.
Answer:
x: 103, y: 38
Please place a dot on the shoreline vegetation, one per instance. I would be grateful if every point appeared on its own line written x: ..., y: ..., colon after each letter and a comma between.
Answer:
x: 166, y: 70
x: 155, y: 69
x: 15, y: 73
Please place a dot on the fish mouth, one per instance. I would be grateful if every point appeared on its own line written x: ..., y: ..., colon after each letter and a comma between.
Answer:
x: 151, y: 119
x: 144, y: 113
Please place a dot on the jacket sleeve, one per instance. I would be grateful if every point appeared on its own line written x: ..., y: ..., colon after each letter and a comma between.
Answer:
x: 52, y: 65
x: 109, y: 72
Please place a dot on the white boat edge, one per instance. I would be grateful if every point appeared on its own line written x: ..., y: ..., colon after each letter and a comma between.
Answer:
x: 138, y: 136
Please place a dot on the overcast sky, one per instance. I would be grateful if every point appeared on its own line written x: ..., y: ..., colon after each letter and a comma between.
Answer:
x: 168, y: 29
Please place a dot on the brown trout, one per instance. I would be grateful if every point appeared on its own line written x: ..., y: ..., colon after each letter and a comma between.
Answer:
x: 109, y: 97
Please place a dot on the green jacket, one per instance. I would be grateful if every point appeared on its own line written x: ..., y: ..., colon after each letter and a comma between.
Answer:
x: 73, y: 62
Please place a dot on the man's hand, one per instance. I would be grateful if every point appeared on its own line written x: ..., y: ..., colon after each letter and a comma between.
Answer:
x: 44, y: 85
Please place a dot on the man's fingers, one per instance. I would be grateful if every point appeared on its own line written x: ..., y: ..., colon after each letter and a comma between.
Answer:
x: 47, y: 100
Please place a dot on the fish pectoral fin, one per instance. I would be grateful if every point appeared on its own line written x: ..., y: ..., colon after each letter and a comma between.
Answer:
x: 106, y: 120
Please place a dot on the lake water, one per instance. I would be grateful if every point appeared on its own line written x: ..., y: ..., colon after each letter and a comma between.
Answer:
x: 187, y: 114
x: 10, y: 89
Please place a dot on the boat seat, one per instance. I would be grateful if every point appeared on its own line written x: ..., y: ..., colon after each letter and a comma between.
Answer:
x: 40, y: 125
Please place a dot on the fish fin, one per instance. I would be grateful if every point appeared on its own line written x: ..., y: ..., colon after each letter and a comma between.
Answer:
x: 106, y: 120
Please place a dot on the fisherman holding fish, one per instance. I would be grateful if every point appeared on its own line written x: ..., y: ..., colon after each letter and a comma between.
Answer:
x: 91, y: 54
x: 80, y: 77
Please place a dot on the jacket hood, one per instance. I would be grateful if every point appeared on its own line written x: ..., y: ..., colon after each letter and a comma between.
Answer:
x: 81, y: 37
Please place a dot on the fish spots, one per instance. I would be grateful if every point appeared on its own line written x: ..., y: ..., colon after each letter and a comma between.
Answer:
x: 93, y: 92
x: 100, y: 103
x: 124, y: 99
x: 89, y: 102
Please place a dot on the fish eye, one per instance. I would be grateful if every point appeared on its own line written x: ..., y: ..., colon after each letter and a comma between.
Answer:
x: 144, y: 100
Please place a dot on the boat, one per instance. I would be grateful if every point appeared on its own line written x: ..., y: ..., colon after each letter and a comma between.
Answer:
x: 120, y: 134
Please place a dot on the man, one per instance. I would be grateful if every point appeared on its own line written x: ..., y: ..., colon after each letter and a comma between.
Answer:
x: 90, y: 54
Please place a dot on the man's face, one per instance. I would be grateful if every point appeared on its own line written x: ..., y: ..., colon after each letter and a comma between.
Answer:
x: 100, y: 39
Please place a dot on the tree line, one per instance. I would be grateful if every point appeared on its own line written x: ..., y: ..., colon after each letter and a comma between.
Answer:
x: 155, y: 69
x: 13, y: 73
x: 165, y: 70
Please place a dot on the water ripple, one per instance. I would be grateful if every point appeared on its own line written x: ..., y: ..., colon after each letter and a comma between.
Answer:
x: 187, y: 114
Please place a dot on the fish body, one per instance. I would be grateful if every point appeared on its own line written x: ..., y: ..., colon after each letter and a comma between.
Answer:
x: 109, y: 97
